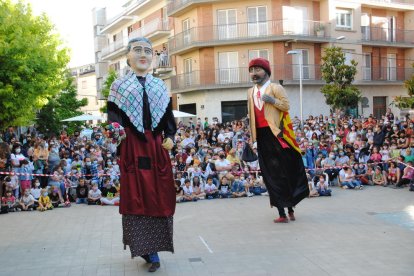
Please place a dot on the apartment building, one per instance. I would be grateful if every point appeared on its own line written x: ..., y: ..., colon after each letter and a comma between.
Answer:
x: 138, y: 18
x: 85, y: 81
x: 213, y: 41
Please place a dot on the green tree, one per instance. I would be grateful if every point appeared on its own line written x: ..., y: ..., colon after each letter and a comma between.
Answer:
x: 112, y: 76
x: 62, y: 106
x: 32, y: 63
x: 339, y: 92
x: 403, y: 102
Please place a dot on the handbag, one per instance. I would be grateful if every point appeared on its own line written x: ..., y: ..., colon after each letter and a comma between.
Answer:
x: 248, y: 154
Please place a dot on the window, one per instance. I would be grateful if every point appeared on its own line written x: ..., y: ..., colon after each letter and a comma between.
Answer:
x: 305, y: 65
x: 186, y: 31
x: 228, y: 67
x: 258, y: 53
x: 257, y: 21
x: 366, y: 69
x: 344, y: 19
x: 226, y: 24
x: 130, y: 29
x: 187, y: 71
x: 391, y: 67
x: 348, y: 56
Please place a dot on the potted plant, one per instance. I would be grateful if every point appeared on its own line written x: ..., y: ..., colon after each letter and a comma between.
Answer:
x: 320, y: 30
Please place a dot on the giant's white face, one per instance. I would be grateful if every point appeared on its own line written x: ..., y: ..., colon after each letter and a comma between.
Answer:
x: 140, y: 57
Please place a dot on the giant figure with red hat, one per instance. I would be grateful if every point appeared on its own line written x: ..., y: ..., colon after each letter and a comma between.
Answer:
x: 280, y: 161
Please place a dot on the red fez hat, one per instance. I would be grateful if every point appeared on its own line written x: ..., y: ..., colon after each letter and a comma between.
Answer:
x: 261, y: 62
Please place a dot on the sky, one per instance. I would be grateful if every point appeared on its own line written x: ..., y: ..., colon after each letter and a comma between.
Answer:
x: 73, y: 21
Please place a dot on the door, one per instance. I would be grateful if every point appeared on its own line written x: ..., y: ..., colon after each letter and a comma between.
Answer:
x: 233, y: 110
x: 256, y: 21
x: 295, y: 20
x: 391, y: 67
x: 186, y: 32
x: 379, y: 106
x: 226, y: 24
x: 365, y: 26
x: 228, y: 67
x: 187, y: 72
x: 305, y: 65
x: 366, y: 66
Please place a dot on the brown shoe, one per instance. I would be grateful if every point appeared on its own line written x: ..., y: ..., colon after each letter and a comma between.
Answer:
x: 154, y: 267
x: 281, y: 220
x: 292, y: 216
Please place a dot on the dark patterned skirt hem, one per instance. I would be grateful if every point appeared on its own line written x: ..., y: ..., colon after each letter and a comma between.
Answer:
x: 145, y: 235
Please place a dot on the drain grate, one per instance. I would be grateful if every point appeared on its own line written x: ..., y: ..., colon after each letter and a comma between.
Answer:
x: 195, y: 260
x: 372, y: 213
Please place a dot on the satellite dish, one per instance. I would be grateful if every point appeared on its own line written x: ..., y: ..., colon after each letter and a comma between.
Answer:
x: 364, y: 102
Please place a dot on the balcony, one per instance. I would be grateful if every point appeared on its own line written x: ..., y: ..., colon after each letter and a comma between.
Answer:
x: 386, y: 74
x: 153, y: 30
x: 178, y: 7
x: 397, y: 4
x: 138, y: 6
x: 115, y: 49
x: 161, y: 65
x: 116, y: 22
x: 239, y: 77
x: 387, y: 37
x: 253, y: 32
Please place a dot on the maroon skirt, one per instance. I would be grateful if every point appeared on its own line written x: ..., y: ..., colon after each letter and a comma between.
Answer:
x: 147, y: 183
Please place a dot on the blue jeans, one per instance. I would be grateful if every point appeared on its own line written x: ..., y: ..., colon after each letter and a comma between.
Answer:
x: 82, y: 200
x: 351, y: 184
x: 151, y: 258
x: 257, y: 190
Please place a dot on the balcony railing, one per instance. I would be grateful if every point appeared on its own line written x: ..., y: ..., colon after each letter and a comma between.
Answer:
x: 175, y: 5
x: 387, y: 35
x: 151, y: 27
x: 248, y: 31
x: 386, y: 73
x: 400, y: 2
x: 119, y: 44
x: 161, y: 61
x: 240, y: 76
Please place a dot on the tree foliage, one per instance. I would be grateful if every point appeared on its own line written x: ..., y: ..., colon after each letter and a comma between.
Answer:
x: 32, y: 63
x: 62, y: 106
x: 338, y: 90
x: 112, y: 76
x: 403, y: 102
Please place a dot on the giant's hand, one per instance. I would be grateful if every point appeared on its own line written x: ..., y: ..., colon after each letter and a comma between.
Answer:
x: 167, y: 144
x: 268, y: 99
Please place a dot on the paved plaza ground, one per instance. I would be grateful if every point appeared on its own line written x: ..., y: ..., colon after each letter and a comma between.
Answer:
x: 369, y: 232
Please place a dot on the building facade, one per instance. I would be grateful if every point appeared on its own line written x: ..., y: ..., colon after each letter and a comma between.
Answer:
x: 138, y: 18
x: 85, y: 81
x: 209, y: 45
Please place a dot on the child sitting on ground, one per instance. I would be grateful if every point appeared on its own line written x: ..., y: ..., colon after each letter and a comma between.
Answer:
x: 35, y: 191
x: 322, y: 187
x: 8, y: 203
x: 198, y: 188
x: 210, y: 189
x: 82, y: 192
x: 26, y: 201
x: 109, y: 194
x: 224, y: 188
x: 237, y: 188
x: 54, y: 196
x: 94, y: 194
x: 178, y: 191
x: 312, y: 190
x: 188, y: 192
x: 44, y: 201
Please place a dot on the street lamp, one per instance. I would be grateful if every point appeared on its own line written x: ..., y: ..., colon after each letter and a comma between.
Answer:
x: 299, y: 52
